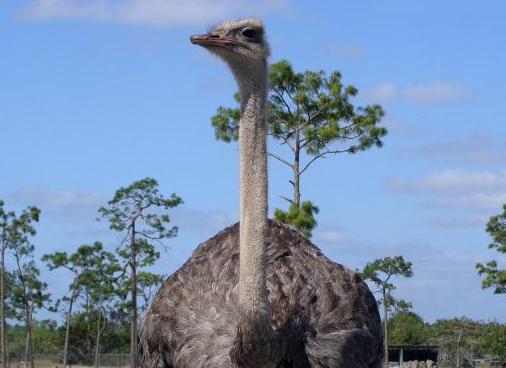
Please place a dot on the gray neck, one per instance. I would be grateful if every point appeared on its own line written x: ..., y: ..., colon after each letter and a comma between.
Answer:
x: 253, y: 192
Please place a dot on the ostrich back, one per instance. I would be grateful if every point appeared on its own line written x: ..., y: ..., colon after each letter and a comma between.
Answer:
x: 328, y: 314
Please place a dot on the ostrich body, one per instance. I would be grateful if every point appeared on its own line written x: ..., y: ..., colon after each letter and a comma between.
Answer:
x: 258, y: 294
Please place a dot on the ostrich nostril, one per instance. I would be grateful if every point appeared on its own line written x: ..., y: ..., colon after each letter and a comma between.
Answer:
x: 214, y: 36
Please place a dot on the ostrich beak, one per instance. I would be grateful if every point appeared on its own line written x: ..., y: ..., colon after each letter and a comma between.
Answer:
x: 212, y: 39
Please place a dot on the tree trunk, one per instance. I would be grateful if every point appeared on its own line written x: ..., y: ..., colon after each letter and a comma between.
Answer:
x: 67, y: 330
x: 133, y: 322
x: 29, y: 339
x: 296, y: 173
x: 27, y: 348
x: 385, y: 321
x: 97, y: 341
x: 7, y: 358
x: 459, y: 338
x: 3, y: 343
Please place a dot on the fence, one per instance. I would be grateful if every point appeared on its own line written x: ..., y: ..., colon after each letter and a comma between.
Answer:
x: 50, y: 361
x: 114, y: 360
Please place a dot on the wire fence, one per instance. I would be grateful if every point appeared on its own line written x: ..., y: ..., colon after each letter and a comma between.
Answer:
x: 55, y: 361
x: 113, y: 360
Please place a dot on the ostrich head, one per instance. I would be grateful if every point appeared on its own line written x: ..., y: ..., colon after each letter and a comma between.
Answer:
x: 240, y: 43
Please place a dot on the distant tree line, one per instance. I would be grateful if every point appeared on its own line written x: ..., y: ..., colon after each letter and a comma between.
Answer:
x: 458, y: 338
x: 106, y: 289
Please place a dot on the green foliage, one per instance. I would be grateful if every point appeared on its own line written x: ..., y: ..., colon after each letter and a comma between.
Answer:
x: 226, y: 122
x: 401, y: 305
x: 93, y: 279
x: 5, y: 224
x: 28, y: 291
x: 115, y: 337
x: 495, y: 278
x: 95, y: 273
x: 135, y: 212
x: 381, y: 271
x: 85, y: 264
x: 398, y: 305
x: 311, y: 114
x: 313, y: 106
x: 301, y: 217
x: 317, y: 108
x: 46, y: 339
x: 98, y: 282
x: 494, y: 335
x: 129, y: 212
x: 457, y: 338
x: 148, y: 282
x: 17, y: 230
x: 10, y: 311
x: 405, y: 327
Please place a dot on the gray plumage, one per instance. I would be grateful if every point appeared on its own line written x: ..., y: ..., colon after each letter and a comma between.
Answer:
x: 323, y: 312
x: 258, y: 294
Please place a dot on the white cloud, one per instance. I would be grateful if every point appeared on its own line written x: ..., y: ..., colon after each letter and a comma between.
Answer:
x: 57, y: 198
x: 403, y: 127
x: 437, y: 92
x: 65, y: 203
x: 457, y: 189
x: 428, y: 93
x: 475, y: 149
x: 458, y: 222
x: 330, y: 235
x: 77, y: 205
x: 206, y: 223
x: 342, y: 51
x: 474, y: 200
x: 451, y: 181
x: 151, y: 12
x: 383, y: 92
x: 443, y: 277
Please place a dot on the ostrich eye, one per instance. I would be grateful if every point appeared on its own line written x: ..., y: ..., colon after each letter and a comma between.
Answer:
x: 250, y: 33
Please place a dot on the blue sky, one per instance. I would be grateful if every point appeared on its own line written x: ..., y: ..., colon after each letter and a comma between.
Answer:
x: 96, y: 94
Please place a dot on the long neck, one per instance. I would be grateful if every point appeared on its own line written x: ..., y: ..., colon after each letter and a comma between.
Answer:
x: 253, y: 193
x: 257, y: 344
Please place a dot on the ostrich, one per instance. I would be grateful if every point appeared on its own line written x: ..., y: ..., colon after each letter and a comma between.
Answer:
x: 258, y: 294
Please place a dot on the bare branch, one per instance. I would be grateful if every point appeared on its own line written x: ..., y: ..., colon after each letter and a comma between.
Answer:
x: 280, y: 159
x: 323, y: 155
x: 148, y: 236
x: 286, y: 199
x: 287, y: 142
